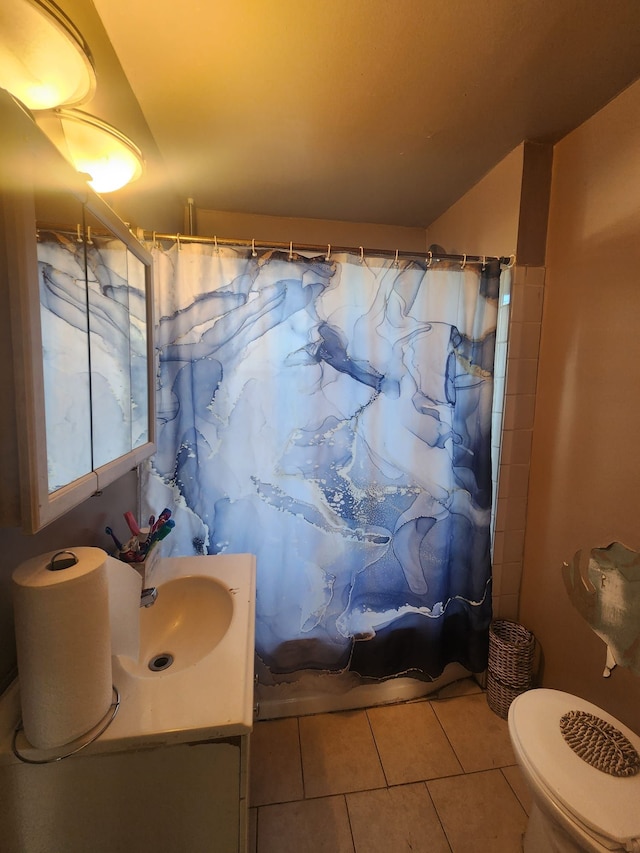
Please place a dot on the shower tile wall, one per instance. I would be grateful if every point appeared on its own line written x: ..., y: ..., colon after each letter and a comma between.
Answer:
x: 517, y: 346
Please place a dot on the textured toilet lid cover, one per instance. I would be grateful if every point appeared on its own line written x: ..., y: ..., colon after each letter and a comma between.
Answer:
x: 599, y: 743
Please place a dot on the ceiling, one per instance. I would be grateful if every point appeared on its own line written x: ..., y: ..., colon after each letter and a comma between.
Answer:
x: 381, y: 111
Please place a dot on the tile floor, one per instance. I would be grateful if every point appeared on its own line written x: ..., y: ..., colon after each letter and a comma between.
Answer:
x: 435, y: 775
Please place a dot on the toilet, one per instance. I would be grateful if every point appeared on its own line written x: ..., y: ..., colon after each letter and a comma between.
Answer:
x: 576, y: 807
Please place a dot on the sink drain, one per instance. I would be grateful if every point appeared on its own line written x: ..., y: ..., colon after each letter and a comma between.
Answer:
x: 160, y: 662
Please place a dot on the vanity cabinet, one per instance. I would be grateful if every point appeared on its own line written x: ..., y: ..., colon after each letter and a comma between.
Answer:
x: 189, y: 797
x: 76, y: 333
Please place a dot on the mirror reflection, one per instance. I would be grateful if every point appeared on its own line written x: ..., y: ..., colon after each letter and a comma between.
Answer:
x: 93, y: 302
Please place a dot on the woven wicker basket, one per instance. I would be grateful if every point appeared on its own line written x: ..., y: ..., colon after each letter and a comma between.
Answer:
x: 510, y: 670
x: 511, y: 650
x: 499, y: 697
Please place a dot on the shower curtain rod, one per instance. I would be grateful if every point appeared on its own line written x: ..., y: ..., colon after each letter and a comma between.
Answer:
x: 155, y: 236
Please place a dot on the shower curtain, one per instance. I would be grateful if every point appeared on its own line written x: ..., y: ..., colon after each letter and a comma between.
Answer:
x: 332, y: 416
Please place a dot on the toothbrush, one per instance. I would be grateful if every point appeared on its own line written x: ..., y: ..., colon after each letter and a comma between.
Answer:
x: 166, y: 529
x: 133, y: 524
x: 165, y: 515
x: 116, y: 541
x: 159, y: 534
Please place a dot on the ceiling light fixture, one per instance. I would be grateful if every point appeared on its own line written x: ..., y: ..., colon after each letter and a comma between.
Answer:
x: 95, y: 148
x: 44, y: 61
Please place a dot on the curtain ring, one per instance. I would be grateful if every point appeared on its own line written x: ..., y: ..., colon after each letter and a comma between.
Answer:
x: 512, y: 261
x: 361, y: 255
x: 154, y: 245
x: 89, y: 240
x: 78, y: 234
x: 464, y: 262
x: 429, y: 260
x: 254, y: 254
x: 328, y: 256
x: 291, y: 250
x: 215, y: 245
x: 484, y: 262
x: 395, y: 263
x: 178, y: 242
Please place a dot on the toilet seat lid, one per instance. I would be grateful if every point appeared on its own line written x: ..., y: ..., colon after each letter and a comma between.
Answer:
x: 609, y: 805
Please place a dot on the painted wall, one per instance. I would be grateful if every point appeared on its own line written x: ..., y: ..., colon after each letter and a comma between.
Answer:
x: 315, y: 232
x: 485, y: 220
x: 585, y: 469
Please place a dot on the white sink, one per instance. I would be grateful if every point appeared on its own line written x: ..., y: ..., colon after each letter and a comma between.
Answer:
x: 190, y: 616
x: 204, y: 616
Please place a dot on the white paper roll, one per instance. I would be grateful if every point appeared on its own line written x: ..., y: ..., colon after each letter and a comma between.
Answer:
x: 125, y: 586
x: 63, y: 645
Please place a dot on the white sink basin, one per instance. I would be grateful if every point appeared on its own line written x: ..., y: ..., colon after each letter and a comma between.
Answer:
x: 189, y: 618
x: 204, y: 617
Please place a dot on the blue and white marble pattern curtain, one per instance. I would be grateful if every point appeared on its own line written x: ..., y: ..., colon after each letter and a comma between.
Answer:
x: 333, y: 418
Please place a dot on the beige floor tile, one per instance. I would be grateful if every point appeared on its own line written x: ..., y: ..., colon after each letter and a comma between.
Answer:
x: 308, y: 826
x: 411, y: 743
x: 394, y: 820
x: 479, y: 813
x: 339, y: 754
x: 515, y: 778
x: 479, y: 737
x: 275, y: 766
